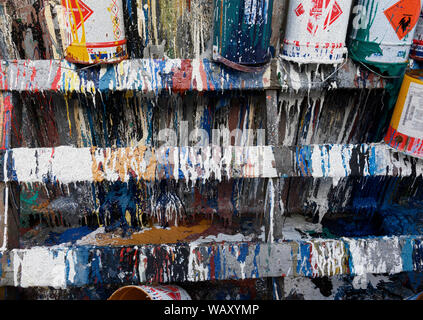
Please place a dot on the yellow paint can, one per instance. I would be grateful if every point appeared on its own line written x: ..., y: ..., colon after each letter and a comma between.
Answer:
x: 405, y: 131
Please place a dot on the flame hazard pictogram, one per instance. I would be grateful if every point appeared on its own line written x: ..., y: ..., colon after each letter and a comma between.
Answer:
x: 320, y: 9
x: 81, y: 14
x: 403, y: 16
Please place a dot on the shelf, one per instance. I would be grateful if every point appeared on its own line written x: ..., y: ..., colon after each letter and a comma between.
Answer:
x: 195, y: 163
x: 176, y: 75
x: 62, y: 267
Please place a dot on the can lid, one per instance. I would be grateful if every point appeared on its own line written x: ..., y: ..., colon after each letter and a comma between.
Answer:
x: 416, y: 74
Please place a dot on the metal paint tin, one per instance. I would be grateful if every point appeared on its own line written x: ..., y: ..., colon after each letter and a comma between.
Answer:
x: 405, y: 131
x: 95, y: 31
x: 316, y: 31
x: 163, y: 292
x: 417, y: 47
x: 383, y: 30
x: 242, y: 31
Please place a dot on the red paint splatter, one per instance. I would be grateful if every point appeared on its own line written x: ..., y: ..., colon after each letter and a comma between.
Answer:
x: 54, y: 85
x: 181, y: 80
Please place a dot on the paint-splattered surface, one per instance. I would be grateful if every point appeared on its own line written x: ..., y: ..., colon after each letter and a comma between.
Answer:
x: 317, y: 208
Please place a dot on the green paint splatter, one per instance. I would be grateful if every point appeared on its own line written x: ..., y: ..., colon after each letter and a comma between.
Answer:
x: 361, y: 47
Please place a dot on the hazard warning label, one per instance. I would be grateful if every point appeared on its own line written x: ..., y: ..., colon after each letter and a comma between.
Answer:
x: 403, y: 16
x: 81, y: 12
x: 320, y: 10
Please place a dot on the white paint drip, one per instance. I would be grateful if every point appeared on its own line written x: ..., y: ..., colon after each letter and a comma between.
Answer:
x: 327, y: 257
x: 6, y: 202
x: 270, y: 203
x: 375, y: 255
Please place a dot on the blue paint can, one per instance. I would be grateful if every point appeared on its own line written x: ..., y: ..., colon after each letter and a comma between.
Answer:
x: 242, y: 31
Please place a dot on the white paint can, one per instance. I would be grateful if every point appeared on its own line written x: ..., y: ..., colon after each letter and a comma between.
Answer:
x: 316, y: 31
x: 159, y: 292
x: 95, y: 31
x: 383, y: 30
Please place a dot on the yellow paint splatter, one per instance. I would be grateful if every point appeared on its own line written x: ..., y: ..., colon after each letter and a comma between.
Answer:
x: 128, y: 217
x: 77, y: 50
x: 67, y: 111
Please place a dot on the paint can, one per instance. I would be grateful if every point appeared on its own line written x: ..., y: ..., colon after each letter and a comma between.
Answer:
x: 242, y: 32
x: 405, y: 131
x: 417, y: 47
x: 95, y: 31
x: 162, y: 292
x: 382, y: 32
x: 316, y: 31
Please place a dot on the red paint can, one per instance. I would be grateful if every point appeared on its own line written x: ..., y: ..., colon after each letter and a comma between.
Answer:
x: 163, y: 292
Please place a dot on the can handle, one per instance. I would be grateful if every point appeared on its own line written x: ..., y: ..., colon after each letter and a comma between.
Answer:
x: 239, y: 67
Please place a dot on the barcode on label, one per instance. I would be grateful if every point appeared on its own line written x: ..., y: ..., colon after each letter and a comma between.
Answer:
x: 411, y: 123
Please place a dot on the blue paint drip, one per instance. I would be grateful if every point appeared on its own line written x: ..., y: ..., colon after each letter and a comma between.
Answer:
x: 303, y: 262
x: 120, y: 198
x: 217, y: 262
x: 109, y: 76
x: 129, y: 8
x: 255, y: 272
x: 303, y: 160
x: 81, y: 260
x: 95, y: 272
x: 243, y: 252
x: 11, y: 171
x: 407, y: 255
x: 418, y: 255
x: 350, y: 259
x: 206, y: 121
x: 70, y: 235
x: 145, y: 9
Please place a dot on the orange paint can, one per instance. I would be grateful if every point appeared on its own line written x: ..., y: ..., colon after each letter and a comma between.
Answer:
x: 405, y: 131
x: 95, y: 31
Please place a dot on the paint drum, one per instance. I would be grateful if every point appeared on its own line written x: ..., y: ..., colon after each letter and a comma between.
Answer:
x: 405, y: 131
x: 163, y: 292
x: 417, y: 47
x: 95, y: 31
x: 242, y: 31
x: 383, y: 30
x: 316, y: 31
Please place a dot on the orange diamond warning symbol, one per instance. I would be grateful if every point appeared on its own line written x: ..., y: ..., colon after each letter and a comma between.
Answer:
x: 403, y: 16
x: 81, y: 12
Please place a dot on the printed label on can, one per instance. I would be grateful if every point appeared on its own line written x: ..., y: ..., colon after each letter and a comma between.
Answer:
x: 316, y: 31
x: 411, y: 123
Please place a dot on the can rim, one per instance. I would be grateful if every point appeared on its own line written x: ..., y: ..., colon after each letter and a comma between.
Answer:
x: 415, y: 74
x: 107, y: 44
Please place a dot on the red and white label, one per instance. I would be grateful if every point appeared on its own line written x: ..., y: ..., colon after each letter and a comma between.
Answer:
x: 320, y: 10
x: 81, y: 14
